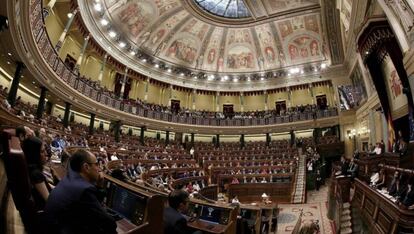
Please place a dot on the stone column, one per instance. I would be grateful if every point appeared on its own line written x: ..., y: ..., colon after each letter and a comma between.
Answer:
x: 146, y: 89
x: 289, y: 97
x: 48, y: 8
x: 241, y: 101
x: 170, y: 90
x: 11, y: 98
x: 192, y: 139
x: 102, y: 70
x: 268, y: 139
x: 167, y: 137
x: 217, y: 140
x: 49, y: 107
x: 66, y: 115
x: 91, y: 124
x: 372, y: 130
x: 141, y: 138
x: 41, y: 104
x: 217, y: 101
x: 124, y: 80
x: 194, y: 99
x: 311, y: 92
x: 117, y: 130
x: 66, y: 30
x: 385, y: 133
x: 81, y: 55
x: 242, y: 141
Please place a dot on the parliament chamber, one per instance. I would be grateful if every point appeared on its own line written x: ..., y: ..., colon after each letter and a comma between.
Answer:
x: 206, y: 116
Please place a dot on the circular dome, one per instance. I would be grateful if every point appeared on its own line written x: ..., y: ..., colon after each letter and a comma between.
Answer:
x: 169, y: 40
x: 234, y: 9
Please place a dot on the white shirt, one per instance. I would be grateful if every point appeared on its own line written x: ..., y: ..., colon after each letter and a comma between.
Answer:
x: 374, y: 178
x: 235, y: 200
x: 377, y: 150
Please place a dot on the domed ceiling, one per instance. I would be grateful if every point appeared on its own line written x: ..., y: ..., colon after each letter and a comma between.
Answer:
x: 228, y: 37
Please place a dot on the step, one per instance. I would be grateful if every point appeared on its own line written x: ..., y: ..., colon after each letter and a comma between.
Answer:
x: 346, y: 205
x: 346, y: 224
x: 345, y: 231
x: 345, y: 218
x: 346, y: 212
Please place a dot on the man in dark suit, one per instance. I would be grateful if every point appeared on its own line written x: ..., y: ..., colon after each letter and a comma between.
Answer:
x: 408, y: 198
x: 73, y: 206
x: 174, y: 221
x: 353, y: 169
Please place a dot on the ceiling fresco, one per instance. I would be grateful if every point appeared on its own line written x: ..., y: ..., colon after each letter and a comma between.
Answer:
x: 170, y: 32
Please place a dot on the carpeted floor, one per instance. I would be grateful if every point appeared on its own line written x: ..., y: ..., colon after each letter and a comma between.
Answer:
x: 314, y: 210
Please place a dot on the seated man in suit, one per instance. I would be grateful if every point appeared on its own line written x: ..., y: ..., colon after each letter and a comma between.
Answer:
x: 353, y: 169
x: 73, y: 206
x: 408, y: 199
x: 174, y: 221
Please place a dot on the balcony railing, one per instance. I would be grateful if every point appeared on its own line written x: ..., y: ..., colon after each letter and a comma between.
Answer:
x: 95, y: 92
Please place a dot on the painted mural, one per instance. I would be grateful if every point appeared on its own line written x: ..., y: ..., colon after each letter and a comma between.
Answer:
x: 358, y: 85
x: 276, y: 6
x: 395, y: 95
x: 239, y: 54
x: 153, y: 37
x: 167, y: 30
x: 268, y: 46
x: 240, y: 57
x: 135, y: 16
x: 184, y: 49
x: 301, y: 39
x: 212, y: 50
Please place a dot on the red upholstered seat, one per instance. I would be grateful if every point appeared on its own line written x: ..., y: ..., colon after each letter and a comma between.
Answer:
x: 18, y: 181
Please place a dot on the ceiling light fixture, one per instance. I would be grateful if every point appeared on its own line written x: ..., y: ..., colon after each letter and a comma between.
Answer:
x: 156, y: 65
x: 122, y: 44
x: 182, y: 74
x: 144, y: 60
x: 235, y: 79
x: 112, y: 34
x: 70, y: 15
x: 132, y: 53
x: 104, y: 22
x: 9, y: 54
x: 169, y: 70
x: 294, y: 70
x: 97, y: 7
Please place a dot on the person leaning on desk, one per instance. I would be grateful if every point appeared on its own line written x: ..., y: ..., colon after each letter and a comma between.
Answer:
x: 174, y: 220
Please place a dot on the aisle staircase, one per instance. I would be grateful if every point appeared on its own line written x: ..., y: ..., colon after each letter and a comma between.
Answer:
x: 299, y: 193
x: 345, y: 219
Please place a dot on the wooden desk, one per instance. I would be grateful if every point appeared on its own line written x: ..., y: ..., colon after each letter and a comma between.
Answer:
x: 207, y: 227
x: 381, y: 215
x: 124, y: 226
x: 252, y: 192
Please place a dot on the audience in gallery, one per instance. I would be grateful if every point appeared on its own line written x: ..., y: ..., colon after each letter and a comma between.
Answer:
x: 310, y: 110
